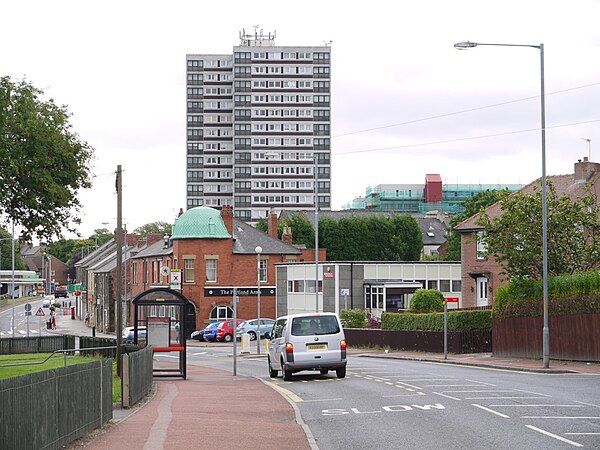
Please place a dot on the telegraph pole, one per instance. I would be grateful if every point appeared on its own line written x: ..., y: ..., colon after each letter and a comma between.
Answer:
x: 118, y: 304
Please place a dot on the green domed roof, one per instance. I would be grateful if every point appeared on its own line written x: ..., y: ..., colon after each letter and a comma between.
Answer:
x: 200, y: 222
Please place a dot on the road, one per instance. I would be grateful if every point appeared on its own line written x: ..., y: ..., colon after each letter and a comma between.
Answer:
x: 386, y: 403
x: 23, y: 324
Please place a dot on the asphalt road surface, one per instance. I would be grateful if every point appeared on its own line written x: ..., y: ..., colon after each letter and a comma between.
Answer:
x: 385, y: 403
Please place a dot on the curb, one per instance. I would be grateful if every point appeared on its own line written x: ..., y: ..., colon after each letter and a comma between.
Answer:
x: 473, y: 364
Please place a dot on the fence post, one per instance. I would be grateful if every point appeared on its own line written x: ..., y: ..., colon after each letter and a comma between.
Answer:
x: 125, y: 380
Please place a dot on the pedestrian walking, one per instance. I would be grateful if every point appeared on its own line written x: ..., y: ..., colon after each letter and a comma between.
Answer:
x: 87, y: 319
x: 53, y: 321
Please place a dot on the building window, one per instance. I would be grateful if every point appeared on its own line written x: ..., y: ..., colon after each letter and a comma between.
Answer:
x: 432, y: 284
x: 134, y: 273
x: 220, y: 313
x: 445, y: 285
x: 263, y: 271
x: 188, y: 276
x: 374, y: 297
x: 456, y: 285
x: 481, y: 246
x: 211, y: 270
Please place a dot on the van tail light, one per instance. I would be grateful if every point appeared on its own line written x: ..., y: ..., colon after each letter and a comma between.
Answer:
x: 289, y: 352
x: 343, y: 348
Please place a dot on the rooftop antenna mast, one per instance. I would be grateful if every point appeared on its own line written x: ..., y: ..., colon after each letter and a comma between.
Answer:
x: 589, y: 141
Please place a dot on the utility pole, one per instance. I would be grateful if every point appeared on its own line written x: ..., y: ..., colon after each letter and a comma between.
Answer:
x: 118, y: 304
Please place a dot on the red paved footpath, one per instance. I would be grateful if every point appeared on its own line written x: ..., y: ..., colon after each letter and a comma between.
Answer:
x: 210, y: 409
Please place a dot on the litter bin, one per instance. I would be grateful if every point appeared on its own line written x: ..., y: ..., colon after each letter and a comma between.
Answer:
x: 72, y: 312
x: 49, y: 324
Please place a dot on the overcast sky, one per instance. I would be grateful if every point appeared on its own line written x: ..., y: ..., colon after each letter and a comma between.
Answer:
x: 400, y: 91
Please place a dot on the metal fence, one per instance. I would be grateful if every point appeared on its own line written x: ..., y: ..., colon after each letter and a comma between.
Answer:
x: 47, y: 410
x: 459, y: 342
x: 137, y: 375
x: 37, y: 344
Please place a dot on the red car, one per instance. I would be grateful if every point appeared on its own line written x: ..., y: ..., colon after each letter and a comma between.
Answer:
x: 226, y: 330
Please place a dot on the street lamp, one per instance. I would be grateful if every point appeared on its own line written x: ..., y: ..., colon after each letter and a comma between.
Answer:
x: 546, y: 331
x: 316, y: 158
x: 258, y: 251
x: 589, y: 141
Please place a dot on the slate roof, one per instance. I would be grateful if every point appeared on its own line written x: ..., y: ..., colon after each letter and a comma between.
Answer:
x: 246, y: 238
x: 156, y: 249
x: 564, y: 185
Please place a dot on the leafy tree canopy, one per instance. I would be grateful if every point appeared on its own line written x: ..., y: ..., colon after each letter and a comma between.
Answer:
x: 6, y: 252
x: 472, y: 206
x: 44, y: 163
x: 161, y: 228
x: 573, y: 226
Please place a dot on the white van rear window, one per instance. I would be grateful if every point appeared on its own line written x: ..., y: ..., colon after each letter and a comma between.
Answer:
x: 311, y: 325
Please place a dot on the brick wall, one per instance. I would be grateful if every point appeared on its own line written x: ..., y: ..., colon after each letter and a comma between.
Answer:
x: 471, y: 266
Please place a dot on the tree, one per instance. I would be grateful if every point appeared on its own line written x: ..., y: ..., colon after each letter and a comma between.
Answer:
x: 161, y: 228
x: 6, y: 252
x: 515, y: 237
x: 44, y: 163
x: 472, y: 206
x: 427, y: 300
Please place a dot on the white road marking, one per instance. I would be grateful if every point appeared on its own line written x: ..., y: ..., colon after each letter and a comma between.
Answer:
x: 168, y: 356
x: 500, y: 398
x: 584, y: 403
x: 484, y: 391
x: 403, y: 395
x: 535, y: 406
x: 322, y: 400
x: 531, y: 392
x: 490, y: 410
x: 481, y: 382
x: 199, y: 353
x: 560, y: 417
x: 450, y: 385
x: 447, y: 396
x: 575, y: 444
x: 582, y: 434
x: 409, y: 385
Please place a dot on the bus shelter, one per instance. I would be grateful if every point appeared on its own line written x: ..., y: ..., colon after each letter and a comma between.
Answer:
x: 161, y: 312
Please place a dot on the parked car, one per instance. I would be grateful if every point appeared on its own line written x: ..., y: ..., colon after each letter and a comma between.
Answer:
x: 250, y: 327
x: 61, y: 291
x: 225, y: 330
x: 307, y: 342
x: 210, y: 332
x: 128, y: 335
x: 197, y: 335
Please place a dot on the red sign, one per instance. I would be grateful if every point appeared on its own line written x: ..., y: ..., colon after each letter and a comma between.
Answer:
x: 328, y: 274
x: 452, y: 299
x: 40, y: 312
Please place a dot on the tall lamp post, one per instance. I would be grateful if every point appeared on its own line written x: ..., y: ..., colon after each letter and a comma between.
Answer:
x: 546, y: 331
x: 315, y: 155
x: 258, y: 251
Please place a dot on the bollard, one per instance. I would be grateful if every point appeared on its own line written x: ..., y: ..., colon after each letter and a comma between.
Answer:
x: 245, y: 338
x: 72, y: 313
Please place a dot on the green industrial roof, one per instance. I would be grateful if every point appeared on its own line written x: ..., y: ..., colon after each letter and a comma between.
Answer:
x: 200, y: 222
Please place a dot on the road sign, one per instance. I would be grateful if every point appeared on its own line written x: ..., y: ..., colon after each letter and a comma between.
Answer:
x: 40, y: 312
x: 175, y: 279
x: 27, y: 313
x: 28, y: 307
x: 164, y: 271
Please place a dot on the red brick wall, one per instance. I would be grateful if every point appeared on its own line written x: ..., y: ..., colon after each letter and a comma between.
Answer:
x: 470, y: 265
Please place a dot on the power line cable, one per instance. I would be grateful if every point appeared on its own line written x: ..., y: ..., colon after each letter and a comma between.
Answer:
x: 423, y: 144
x: 464, y: 111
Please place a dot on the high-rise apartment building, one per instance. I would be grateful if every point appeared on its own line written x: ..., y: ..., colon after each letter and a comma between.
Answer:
x: 259, y: 128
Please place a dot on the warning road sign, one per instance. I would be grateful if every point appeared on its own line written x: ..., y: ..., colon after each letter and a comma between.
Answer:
x: 40, y: 312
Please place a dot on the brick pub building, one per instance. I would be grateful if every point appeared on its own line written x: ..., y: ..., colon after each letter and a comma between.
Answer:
x: 217, y: 253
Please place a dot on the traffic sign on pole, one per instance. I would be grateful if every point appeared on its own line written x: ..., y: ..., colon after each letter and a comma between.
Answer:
x: 40, y: 312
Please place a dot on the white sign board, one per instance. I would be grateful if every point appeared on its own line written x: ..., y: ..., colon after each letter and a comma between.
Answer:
x: 158, y: 331
x: 175, y: 279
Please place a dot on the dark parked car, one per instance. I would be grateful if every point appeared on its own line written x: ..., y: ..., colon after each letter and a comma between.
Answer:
x: 61, y: 291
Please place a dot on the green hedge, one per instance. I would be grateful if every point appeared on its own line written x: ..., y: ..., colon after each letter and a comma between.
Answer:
x: 457, y: 321
x: 427, y: 300
x: 568, y: 295
x: 353, y: 318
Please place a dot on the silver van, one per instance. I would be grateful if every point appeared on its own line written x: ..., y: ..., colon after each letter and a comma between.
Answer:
x: 307, y: 342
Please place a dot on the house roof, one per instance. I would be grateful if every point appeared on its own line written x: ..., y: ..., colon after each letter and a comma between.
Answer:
x: 564, y: 185
x: 156, y: 249
x: 246, y: 238
x: 200, y: 222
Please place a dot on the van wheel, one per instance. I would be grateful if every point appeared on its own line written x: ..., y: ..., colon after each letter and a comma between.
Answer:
x: 227, y: 338
x: 252, y: 335
x: 324, y: 371
x: 341, y: 372
x: 286, y: 373
x: 272, y: 373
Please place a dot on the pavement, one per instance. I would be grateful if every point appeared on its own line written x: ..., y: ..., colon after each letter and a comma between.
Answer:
x: 211, y: 406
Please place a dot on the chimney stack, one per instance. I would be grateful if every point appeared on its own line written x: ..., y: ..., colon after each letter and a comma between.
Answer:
x: 272, y: 223
x: 286, y: 236
x: 585, y: 169
x: 227, y: 216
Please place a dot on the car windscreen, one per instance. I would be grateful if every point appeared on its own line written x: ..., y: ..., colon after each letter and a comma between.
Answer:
x: 310, y: 325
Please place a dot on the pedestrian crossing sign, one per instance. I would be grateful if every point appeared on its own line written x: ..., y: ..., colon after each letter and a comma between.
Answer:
x: 40, y: 312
